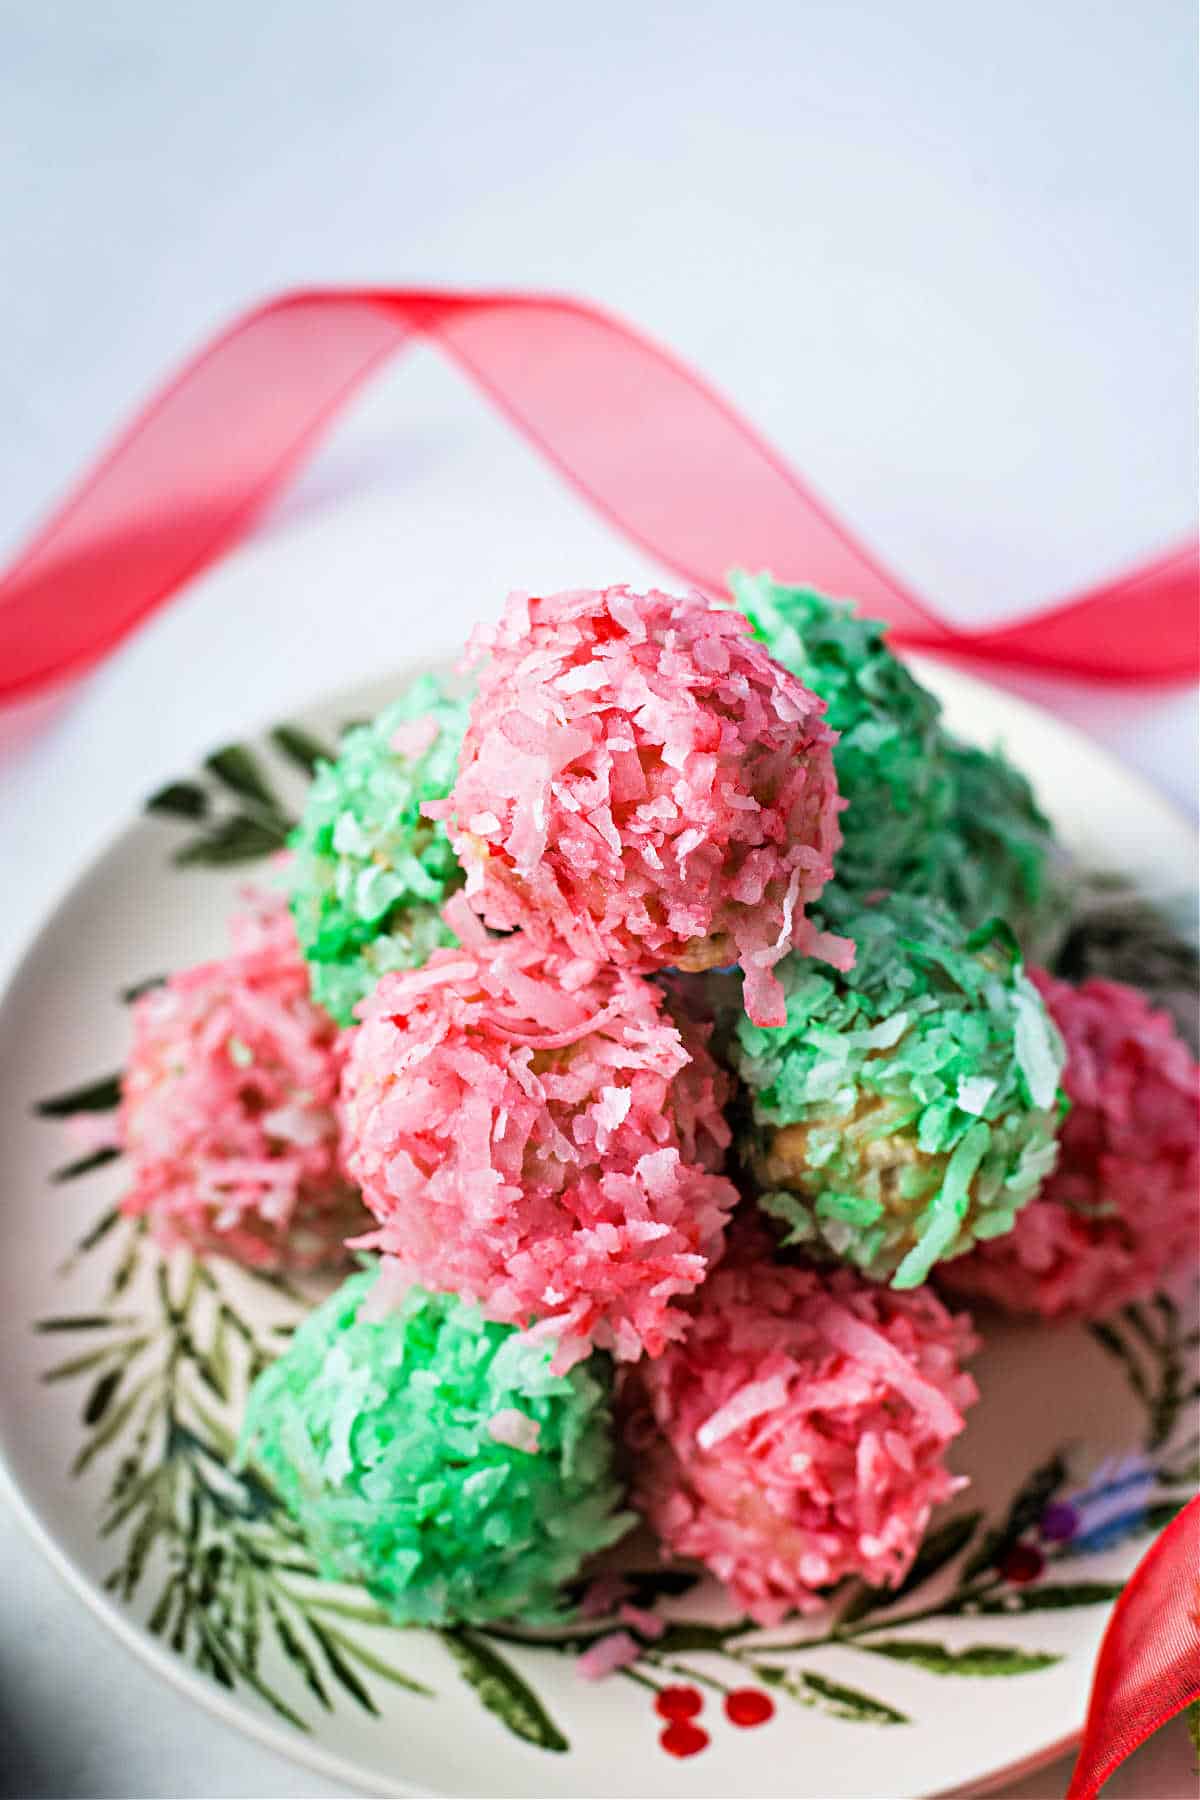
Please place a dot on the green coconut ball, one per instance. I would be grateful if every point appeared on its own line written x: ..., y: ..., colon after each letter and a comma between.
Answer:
x: 925, y: 814
x: 909, y: 1107
x: 888, y: 758
x: 435, y: 1459
x: 997, y: 854
x: 370, y: 873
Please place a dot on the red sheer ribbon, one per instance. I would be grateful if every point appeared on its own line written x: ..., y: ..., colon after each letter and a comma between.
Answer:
x: 1149, y: 1664
x: 652, y: 447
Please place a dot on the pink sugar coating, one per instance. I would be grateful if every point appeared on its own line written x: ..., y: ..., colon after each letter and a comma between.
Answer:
x: 650, y: 1625
x: 536, y: 1134
x: 228, y: 1112
x: 608, y: 1654
x: 1119, y: 1217
x: 639, y: 776
x: 604, y: 1595
x: 797, y: 1434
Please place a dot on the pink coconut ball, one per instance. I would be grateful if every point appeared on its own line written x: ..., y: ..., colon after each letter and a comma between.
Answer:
x: 1119, y: 1217
x: 229, y: 1106
x: 642, y: 783
x: 535, y: 1133
x: 797, y: 1435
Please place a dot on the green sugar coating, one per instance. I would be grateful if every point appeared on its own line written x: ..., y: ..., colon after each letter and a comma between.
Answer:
x: 997, y: 855
x: 909, y: 1107
x: 370, y: 874
x: 378, y: 1437
x: 926, y: 814
x: 890, y: 772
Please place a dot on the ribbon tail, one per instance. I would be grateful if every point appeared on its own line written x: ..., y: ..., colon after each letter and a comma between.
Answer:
x: 1149, y: 1664
x: 1144, y: 625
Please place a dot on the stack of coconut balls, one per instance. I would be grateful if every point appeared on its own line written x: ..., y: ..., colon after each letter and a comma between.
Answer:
x: 650, y: 1016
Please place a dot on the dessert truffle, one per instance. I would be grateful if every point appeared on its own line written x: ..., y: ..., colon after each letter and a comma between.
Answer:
x: 798, y: 1434
x: 435, y: 1458
x: 891, y: 772
x: 370, y: 872
x: 536, y: 1133
x: 642, y: 784
x: 909, y: 1106
x: 228, y: 1111
x: 997, y: 856
x: 926, y: 814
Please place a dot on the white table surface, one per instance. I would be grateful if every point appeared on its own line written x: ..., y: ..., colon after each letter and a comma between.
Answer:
x: 942, y: 256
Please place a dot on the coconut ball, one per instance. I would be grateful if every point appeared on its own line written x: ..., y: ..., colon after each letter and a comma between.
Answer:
x: 798, y: 1434
x: 1119, y: 1216
x: 910, y: 1106
x: 996, y: 856
x: 435, y: 1458
x: 228, y: 1111
x: 888, y: 758
x: 925, y: 813
x: 642, y: 784
x: 370, y: 872
x: 534, y: 1132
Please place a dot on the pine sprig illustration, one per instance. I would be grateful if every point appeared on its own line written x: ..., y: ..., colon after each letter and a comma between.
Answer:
x: 232, y: 1571
x: 1153, y: 1349
x: 235, y: 803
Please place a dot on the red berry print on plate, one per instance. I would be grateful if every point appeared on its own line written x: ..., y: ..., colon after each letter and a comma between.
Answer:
x: 748, y: 1706
x: 678, y: 1702
x: 683, y: 1738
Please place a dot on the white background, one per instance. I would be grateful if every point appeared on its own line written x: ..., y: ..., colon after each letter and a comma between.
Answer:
x: 942, y: 254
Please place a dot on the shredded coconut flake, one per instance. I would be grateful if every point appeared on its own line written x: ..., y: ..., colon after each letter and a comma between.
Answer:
x: 516, y: 1429
x: 974, y: 1092
x: 750, y: 1402
x: 608, y: 1654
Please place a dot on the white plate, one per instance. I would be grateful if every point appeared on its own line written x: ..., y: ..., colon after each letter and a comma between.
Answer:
x: 853, y: 1718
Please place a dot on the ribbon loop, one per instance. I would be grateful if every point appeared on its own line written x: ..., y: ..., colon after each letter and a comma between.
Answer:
x: 654, y: 449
